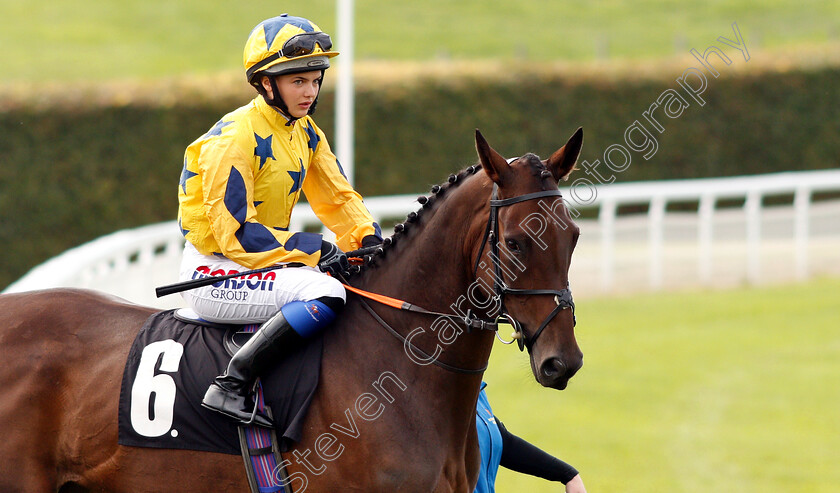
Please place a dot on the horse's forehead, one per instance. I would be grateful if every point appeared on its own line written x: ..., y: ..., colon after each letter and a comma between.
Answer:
x: 529, y: 161
x: 529, y: 173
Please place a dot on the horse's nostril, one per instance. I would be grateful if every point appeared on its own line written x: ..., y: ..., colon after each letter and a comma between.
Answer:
x: 553, y: 367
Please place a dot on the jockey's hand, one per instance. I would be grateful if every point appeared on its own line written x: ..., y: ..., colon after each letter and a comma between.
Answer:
x: 333, y: 259
x: 371, y: 241
x: 575, y: 485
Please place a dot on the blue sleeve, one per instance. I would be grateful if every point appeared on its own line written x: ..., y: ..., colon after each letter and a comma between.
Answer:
x: 490, y: 444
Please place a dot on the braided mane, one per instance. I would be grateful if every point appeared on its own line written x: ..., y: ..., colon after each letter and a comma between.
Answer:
x: 401, y: 229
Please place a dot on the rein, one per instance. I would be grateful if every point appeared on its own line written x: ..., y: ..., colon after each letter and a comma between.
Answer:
x: 402, y: 305
x: 562, y: 297
x: 468, y: 321
x: 471, y: 323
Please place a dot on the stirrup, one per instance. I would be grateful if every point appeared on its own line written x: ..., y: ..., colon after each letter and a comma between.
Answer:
x: 255, y: 419
x: 250, y: 422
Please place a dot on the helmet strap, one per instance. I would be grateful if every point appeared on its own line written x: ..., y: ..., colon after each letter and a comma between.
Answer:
x: 275, y: 100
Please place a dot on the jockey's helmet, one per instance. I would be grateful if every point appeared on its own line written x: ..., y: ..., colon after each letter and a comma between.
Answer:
x: 285, y: 45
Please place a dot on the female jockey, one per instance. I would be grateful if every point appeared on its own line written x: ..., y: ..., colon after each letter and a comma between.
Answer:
x: 500, y: 447
x: 238, y: 187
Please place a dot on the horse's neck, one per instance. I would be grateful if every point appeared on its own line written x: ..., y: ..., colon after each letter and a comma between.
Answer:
x: 427, y: 267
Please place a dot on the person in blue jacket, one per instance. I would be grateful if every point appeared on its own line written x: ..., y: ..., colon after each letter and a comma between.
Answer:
x: 500, y: 447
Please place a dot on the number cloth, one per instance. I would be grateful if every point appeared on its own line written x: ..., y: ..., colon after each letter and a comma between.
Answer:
x: 166, y: 374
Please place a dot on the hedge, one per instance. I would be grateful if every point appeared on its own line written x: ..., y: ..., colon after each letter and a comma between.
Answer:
x: 69, y: 174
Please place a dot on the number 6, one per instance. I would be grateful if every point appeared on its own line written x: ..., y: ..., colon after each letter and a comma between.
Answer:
x: 162, y: 386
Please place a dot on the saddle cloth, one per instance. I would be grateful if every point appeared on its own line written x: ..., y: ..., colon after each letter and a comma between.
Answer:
x: 169, y: 367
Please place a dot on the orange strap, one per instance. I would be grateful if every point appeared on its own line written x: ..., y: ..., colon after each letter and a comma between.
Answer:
x: 381, y: 298
x: 476, y: 323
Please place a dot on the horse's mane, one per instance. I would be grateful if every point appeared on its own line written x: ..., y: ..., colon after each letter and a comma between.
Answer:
x: 427, y: 203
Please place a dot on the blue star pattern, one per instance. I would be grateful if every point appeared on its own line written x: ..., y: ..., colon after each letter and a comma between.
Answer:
x: 313, y: 138
x: 183, y: 231
x: 340, y: 168
x: 275, y: 25
x: 186, y: 175
x: 308, y: 243
x: 217, y: 129
x: 236, y: 195
x: 297, y: 177
x: 254, y: 237
x: 263, y: 149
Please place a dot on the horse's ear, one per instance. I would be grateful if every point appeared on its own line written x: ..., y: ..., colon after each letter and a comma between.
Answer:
x: 562, y: 162
x: 493, y: 163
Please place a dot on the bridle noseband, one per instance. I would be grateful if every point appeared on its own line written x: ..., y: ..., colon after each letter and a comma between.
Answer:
x: 562, y: 297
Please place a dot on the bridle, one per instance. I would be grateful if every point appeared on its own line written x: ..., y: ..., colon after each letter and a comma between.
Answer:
x: 562, y: 297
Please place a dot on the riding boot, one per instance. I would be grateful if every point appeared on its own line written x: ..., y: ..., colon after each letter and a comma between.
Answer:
x: 229, y: 393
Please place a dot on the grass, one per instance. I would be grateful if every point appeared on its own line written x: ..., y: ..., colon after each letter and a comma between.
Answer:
x: 76, y: 40
x: 729, y: 391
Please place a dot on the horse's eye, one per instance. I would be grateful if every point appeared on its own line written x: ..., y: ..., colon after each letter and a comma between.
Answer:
x: 512, y: 245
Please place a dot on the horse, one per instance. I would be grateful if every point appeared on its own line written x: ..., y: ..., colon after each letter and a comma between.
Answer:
x: 395, y: 408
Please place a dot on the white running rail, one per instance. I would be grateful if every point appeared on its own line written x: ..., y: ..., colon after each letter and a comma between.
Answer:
x: 801, y: 222
x: 726, y: 232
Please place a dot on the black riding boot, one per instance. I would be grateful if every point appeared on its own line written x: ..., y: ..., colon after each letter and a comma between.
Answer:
x: 228, y: 394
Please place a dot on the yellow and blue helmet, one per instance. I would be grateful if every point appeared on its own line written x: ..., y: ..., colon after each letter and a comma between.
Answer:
x: 285, y: 45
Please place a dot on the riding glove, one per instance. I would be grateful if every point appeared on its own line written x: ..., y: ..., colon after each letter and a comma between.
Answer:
x: 333, y: 260
x: 371, y: 241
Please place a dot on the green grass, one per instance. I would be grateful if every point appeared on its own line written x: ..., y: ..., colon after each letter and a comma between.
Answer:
x: 72, y: 40
x: 729, y: 391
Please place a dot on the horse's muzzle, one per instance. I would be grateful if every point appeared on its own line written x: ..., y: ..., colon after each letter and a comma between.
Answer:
x: 554, y: 373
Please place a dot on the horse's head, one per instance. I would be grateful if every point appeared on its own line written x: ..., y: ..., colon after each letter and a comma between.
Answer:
x: 526, y: 255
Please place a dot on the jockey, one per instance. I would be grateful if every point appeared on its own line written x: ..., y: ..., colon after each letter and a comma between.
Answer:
x: 498, y: 447
x: 238, y: 187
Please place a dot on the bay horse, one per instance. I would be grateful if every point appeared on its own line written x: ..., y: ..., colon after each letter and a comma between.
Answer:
x: 495, y: 240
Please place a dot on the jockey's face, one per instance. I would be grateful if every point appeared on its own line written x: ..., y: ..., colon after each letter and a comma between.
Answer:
x: 297, y: 90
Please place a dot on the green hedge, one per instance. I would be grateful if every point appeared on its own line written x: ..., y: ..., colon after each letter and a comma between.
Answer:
x: 70, y: 175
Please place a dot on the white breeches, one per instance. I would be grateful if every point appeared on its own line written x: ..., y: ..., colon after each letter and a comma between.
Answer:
x: 254, y: 299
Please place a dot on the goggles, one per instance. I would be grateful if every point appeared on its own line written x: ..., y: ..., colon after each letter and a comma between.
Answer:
x: 304, y: 44
x: 296, y: 46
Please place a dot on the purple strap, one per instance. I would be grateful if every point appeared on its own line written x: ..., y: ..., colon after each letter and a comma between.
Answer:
x: 257, y: 437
